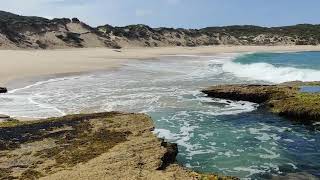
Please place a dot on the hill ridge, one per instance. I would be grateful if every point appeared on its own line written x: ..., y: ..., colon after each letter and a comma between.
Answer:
x: 33, y: 32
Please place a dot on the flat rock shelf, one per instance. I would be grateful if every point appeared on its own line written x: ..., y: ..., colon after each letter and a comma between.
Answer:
x: 109, y: 145
x: 285, y: 99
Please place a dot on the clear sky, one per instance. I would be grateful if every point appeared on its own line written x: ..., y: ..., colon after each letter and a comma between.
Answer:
x: 173, y: 13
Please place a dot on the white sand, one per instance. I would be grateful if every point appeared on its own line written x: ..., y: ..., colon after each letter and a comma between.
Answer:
x: 16, y: 64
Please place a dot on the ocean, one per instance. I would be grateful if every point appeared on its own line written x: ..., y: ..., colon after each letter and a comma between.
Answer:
x: 213, y: 135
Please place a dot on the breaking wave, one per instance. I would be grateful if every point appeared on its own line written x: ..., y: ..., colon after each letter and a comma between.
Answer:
x: 270, y: 73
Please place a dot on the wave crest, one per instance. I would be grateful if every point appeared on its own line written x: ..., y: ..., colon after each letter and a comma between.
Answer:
x: 271, y: 73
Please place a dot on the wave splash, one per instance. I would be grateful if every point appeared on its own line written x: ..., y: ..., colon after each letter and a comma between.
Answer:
x: 270, y: 73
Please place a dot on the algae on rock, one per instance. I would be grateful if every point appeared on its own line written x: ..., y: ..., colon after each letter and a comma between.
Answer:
x: 285, y: 99
x: 89, y: 146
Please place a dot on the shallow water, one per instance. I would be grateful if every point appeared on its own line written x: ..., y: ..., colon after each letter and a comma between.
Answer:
x: 310, y: 89
x: 214, y: 135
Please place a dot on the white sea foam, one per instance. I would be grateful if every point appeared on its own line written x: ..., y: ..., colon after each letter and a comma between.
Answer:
x: 41, y: 83
x: 46, y: 106
x: 268, y: 72
x: 166, y: 134
x: 270, y: 154
x: 251, y: 170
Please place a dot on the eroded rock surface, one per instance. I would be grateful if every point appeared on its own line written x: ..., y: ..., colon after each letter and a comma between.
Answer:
x: 93, y: 146
x: 284, y: 99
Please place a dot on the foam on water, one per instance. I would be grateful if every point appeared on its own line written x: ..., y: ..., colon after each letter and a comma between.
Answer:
x: 213, y: 135
x: 271, y: 73
x: 276, y: 67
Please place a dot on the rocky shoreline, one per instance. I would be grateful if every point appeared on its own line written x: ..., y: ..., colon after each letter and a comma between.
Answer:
x: 116, y: 145
x: 285, y: 99
x: 108, y: 145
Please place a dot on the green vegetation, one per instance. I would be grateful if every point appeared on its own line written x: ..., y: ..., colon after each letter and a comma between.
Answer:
x: 306, y: 33
x: 301, y: 34
x: 81, y: 144
x: 24, y: 132
x: 17, y: 29
x: 10, y: 123
x: 289, y: 101
x: 301, y: 106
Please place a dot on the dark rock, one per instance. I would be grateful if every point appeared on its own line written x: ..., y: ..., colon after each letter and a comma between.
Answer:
x: 252, y: 93
x: 75, y: 20
x: 2, y: 116
x: 3, y: 90
x: 170, y: 156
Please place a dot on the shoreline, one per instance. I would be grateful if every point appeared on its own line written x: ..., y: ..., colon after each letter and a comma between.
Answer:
x: 24, y: 65
x: 29, y: 81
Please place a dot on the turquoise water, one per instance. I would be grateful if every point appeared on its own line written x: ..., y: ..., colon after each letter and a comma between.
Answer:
x: 213, y: 135
x: 276, y: 67
x: 303, y: 60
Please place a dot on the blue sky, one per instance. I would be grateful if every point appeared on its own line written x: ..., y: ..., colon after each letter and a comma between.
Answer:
x: 173, y: 13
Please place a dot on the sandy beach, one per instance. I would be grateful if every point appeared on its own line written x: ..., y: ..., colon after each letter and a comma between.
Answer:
x: 20, y: 64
